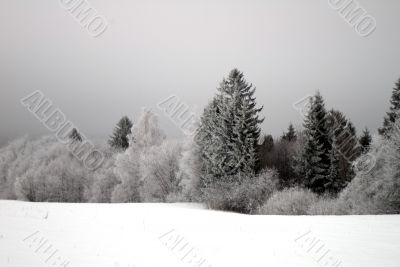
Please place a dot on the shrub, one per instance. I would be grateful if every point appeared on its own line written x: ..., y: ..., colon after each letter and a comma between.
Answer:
x: 323, y: 206
x: 292, y: 201
x: 55, y: 175
x: 245, y: 195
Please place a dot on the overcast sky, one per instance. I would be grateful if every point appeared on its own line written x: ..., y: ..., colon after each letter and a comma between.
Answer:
x: 155, y: 48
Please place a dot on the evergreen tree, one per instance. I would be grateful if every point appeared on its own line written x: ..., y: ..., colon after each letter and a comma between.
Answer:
x: 344, y: 141
x: 75, y: 135
x: 365, y: 140
x: 315, y: 160
x: 263, y: 152
x: 290, y: 136
x: 393, y: 111
x: 229, y: 131
x: 120, y: 140
x: 335, y: 183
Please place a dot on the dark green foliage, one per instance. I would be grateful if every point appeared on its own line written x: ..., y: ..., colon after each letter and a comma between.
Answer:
x: 264, y: 150
x: 119, y: 139
x: 393, y: 112
x: 75, y: 135
x: 314, y: 162
x: 290, y: 136
x: 365, y: 141
x: 346, y: 148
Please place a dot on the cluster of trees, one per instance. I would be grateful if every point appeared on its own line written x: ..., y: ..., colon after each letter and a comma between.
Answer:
x: 226, y: 164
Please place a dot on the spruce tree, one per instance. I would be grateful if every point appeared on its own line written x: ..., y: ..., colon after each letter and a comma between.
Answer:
x: 119, y: 139
x: 346, y: 148
x: 393, y: 112
x: 75, y: 136
x: 334, y: 184
x: 365, y: 140
x: 290, y: 136
x: 315, y: 159
x: 263, y: 151
x: 229, y: 130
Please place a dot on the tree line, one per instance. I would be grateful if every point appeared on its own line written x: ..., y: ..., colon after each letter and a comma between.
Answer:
x: 227, y: 164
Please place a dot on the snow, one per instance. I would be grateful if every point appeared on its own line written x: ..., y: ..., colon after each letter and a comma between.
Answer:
x: 136, y: 235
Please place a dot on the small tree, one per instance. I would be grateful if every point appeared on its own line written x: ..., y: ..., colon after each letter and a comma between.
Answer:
x: 365, y: 140
x: 75, y: 136
x: 264, y: 150
x: 290, y: 136
x: 119, y: 140
x: 392, y: 114
x: 129, y: 165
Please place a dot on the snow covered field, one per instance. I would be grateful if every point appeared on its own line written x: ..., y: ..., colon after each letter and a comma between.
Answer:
x: 128, y: 235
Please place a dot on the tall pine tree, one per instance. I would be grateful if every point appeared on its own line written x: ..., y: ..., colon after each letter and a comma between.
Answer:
x: 346, y: 148
x: 314, y: 162
x: 393, y: 112
x: 119, y: 139
x: 334, y: 184
x: 229, y: 130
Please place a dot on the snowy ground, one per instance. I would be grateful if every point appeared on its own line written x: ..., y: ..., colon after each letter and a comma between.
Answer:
x: 128, y: 235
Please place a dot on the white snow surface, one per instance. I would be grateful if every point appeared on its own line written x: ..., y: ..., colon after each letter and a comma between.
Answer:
x: 136, y: 235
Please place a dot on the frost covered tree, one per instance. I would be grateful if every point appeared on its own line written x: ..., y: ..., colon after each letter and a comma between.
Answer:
x: 393, y: 112
x: 128, y: 165
x: 104, y: 180
x: 13, y: 163
x: 119, y: 139
x: 365, y: 140
x: 229, y: 131
x: 160, y: 172
x: 52, y: 174
x: 376, y: 187
x: 313, y: 164
x: 190, y: 171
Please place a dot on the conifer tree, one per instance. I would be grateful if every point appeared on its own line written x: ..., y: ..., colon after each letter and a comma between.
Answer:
x: 346, y: 148
x: 290, y: 136
x: 75, y: 136
x: 335, y: 184
x: 315, y: 160
x: 393, y: 112
x: 229, y: 130
x: 119, y: 139
x: 365, y: 140
x: 263, y: 151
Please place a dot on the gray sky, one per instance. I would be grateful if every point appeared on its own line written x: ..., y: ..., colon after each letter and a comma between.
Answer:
x: 155, y: 48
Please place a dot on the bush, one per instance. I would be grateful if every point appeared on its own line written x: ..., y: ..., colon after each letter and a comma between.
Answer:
x: 9, y: 155
x: 245, y: 195
x: 323, y: 206
x: 292, y: 201
x: 55, y: 175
